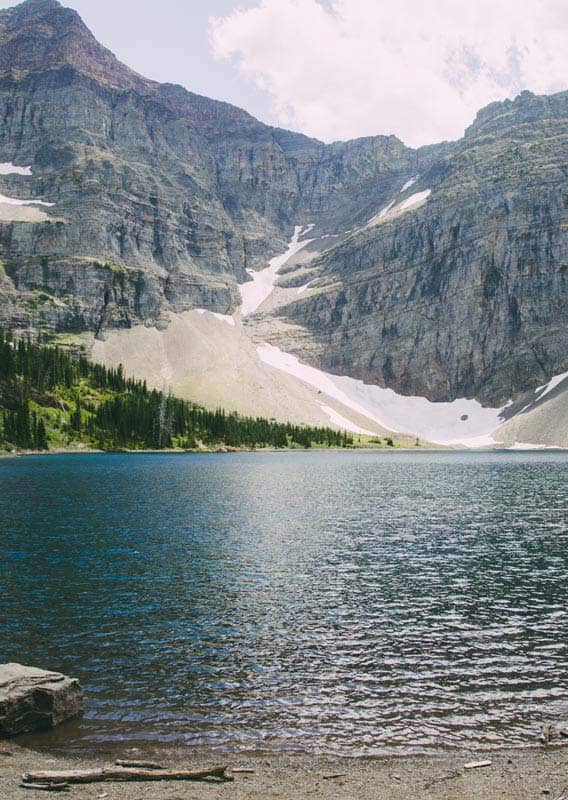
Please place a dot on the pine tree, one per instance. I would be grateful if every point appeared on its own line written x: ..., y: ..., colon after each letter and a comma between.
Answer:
x: 41, y: 436
x: 76, y: 418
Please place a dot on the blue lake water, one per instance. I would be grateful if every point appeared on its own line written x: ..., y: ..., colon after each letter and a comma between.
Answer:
x: 346, y: 603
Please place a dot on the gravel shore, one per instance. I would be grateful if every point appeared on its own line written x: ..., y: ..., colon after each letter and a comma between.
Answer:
x: 513, y: 775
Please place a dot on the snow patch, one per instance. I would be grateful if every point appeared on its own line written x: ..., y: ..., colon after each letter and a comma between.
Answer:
x: 414, y: 200
x: 223, y: 317
x: 382, y: 213
x: 7, y: 168
x: 552, y: 384
x: 344, y: 423
x: 385, y: 210
x: 13, y: 202
x: 392, y: 210
x: 532, y: 446
x: 255, y: 292
x: 462, y: 421
x: 409, y: 183
x: 308, y: 228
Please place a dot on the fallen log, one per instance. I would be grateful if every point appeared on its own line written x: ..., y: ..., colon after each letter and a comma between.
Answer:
x: 477, y: 764
x: 125, y: 774
x: 70, y: 776
x: 138, y: 764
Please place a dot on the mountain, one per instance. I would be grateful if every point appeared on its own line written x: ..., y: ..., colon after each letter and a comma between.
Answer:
x: 467, y: 294
x: 129, y: 208
x: 183, y: 192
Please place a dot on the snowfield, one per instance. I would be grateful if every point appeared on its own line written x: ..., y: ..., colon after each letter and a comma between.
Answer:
x: 343, y: 423
x: 382, y: 213
x: 409, y: 183
x: 255, y: 292
x: 7, y: 168
x: 14, y: 202
x: 391, y: 211
x: 414, y: 200
x: 460, y: 422
x: 552, y: 384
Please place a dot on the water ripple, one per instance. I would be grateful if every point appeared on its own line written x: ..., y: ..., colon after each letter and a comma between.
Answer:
x: 346, y: 603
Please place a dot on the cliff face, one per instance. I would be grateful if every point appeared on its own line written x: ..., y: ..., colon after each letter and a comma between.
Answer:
x: 162, y: 200
x: 466, y: 294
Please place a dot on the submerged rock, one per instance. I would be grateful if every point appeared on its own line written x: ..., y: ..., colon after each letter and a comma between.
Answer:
x: 33, y: 699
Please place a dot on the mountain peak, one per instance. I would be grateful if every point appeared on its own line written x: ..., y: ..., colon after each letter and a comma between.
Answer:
x: 526, y: 109
x: 32, y: 5
x: 31, y: 11
x: 41, y: 35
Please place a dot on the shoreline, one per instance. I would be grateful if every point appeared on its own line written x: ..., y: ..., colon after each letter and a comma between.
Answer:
x: 260, y: 450
x: 229, y: 450
x: 514, y: 774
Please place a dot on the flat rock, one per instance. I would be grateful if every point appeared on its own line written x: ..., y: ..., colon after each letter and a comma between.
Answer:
x: 33, y: 699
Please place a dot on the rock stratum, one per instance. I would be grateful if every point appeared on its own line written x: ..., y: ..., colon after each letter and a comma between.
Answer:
x: 128, y: 209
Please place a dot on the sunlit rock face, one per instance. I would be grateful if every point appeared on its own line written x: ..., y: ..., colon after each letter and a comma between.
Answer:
x: 182, y: 192
x: 438, y: 272
x: 465, y: 294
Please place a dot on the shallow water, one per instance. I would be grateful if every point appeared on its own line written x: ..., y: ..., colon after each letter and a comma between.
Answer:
x: 346, y: 603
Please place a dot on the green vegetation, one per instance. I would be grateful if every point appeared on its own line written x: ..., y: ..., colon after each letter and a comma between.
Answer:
x: 49, y: 398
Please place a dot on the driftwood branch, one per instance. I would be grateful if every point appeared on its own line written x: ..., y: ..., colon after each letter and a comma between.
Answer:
x: 138, y: 764
x: 125, y: 774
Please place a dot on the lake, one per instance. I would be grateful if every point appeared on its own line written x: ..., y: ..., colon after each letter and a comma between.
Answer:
x: 348, y: 603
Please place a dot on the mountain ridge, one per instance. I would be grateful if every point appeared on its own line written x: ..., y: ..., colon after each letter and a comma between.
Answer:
x: 438, y: 272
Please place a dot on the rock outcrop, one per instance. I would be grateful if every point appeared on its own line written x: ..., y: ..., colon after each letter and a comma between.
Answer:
x: 35, y: 700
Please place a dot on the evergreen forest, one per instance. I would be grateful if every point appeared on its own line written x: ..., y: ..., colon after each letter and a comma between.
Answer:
x: 51, y: 398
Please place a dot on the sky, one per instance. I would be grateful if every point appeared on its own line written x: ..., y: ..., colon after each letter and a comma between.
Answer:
x: 338, y: 69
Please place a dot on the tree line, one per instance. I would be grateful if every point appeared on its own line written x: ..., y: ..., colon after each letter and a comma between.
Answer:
x: 48, y: 394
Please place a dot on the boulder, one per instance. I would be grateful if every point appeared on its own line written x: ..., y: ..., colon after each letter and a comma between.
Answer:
x: 33, y: 699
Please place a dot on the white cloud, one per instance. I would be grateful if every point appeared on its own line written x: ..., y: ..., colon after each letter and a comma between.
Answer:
x: 345, y: 68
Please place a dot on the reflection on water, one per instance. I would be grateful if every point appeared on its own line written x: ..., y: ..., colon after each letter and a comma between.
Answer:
x: 354, y: 603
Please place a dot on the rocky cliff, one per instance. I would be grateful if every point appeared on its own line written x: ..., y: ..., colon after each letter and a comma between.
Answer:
x: 464, y: 292
x: 155, y: 201
x: 162, y: 198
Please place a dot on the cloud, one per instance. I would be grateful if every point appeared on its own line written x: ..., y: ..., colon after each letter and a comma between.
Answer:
x: 339, y: 69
